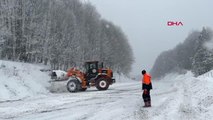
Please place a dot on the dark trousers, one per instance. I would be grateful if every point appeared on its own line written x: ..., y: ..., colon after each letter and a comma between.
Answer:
x: 146, y: 96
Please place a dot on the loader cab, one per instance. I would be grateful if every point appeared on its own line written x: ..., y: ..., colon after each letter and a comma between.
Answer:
x: 91, y: 69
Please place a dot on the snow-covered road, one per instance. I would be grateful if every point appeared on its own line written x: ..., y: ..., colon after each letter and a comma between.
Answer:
x: 180, y: 97
x: 119, y: 102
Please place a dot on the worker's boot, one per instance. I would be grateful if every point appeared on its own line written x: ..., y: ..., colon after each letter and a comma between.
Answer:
x: 149, y: 104
x: 146, y: 104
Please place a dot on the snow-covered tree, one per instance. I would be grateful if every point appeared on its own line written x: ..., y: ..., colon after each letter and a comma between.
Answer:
x: 189, y: 55
x: 62, y: 33
x: 203, y: 58
x: 202, y: 61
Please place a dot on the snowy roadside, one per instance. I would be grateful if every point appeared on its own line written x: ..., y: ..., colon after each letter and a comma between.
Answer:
x: 174, y: 97
x: 117, y: 103
x: 180, y: 97
x: 21, y: 80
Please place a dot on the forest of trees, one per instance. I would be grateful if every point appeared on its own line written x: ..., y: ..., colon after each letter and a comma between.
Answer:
x: 61, y: 33
x: 192, y: 55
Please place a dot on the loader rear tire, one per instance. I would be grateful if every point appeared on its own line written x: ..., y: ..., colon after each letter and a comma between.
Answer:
x: 102, y: 84
x: 73, y: 86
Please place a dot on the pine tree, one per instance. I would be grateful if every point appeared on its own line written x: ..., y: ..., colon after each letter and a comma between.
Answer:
x: 189, y: 55
x: 202, y: 61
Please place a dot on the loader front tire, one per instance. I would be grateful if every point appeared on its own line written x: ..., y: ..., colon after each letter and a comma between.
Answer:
x: 73, y: 86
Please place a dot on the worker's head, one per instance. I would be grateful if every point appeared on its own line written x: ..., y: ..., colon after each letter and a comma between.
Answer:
x: 143, y: 72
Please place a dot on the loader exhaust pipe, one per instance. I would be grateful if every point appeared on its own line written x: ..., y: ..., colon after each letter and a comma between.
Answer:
x: 102, y: 65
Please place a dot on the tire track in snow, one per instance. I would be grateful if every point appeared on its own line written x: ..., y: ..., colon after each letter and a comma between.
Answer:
x: 163, y: 100
x: 90, y: 104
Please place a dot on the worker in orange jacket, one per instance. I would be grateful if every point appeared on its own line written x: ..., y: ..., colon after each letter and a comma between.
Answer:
x: 146, y: 87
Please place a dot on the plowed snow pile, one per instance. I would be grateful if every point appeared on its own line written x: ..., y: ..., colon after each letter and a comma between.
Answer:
x: 21, y: 80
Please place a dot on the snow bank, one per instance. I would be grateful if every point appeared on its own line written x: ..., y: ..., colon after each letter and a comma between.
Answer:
x: 177, y: 76
x: 201, y: 93
x: 207, y: 76
x: 20, y: 80
x: 193, y: 97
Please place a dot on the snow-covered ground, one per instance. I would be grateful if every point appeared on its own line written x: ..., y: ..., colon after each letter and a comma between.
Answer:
x: 22, y: 80
x: 175, y: 97
x: 181, y: 97
x: 119, y: 102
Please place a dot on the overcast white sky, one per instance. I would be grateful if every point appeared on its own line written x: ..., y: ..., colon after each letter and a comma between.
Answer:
x: 145, y: 24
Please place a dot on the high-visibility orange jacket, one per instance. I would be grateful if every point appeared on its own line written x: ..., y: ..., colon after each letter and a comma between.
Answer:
x: 146, y: 79
x: 146, y: 82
